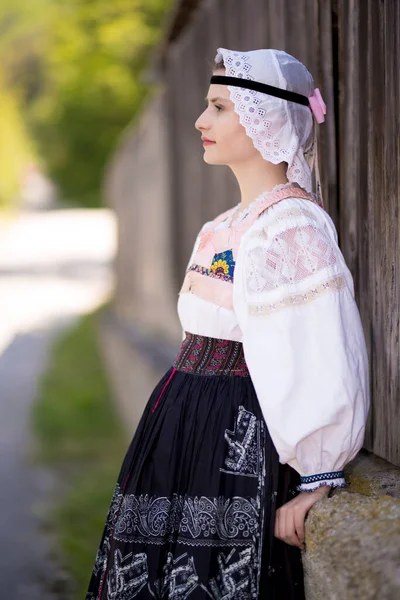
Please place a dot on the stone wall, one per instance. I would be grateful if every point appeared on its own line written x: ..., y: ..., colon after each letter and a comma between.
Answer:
x: 353, y: 538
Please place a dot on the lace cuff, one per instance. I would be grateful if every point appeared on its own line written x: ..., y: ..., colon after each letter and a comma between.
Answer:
x: 312, y: 482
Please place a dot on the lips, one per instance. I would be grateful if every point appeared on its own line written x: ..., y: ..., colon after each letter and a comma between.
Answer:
x: 206, y: 141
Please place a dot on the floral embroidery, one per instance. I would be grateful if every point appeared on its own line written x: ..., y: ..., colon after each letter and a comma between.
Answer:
x: 209, y: 273
x: 224, y: 264
x: 220, y: 265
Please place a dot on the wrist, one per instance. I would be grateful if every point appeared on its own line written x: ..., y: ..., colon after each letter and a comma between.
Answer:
x: 317, y: 494
x: 309, y: 483
x: 323, y: 490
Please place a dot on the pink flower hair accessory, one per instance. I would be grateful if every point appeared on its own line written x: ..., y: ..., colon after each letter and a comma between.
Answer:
x: 317, y: 106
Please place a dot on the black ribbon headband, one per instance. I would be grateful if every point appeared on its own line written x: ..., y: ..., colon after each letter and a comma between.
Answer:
x: 261, y: 87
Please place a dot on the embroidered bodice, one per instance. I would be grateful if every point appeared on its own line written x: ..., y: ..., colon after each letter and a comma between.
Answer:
x: 210, y: 273
x: 274, y: 278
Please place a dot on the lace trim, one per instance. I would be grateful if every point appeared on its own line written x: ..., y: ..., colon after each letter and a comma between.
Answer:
x: 340, y: 483
x: 336, y: 283
x: 322, y: 476
x: 241, y: 215
x: 310, y: 483
x: 292, y: 212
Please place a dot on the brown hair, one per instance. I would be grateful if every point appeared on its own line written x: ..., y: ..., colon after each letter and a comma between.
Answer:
x: 219, y: 65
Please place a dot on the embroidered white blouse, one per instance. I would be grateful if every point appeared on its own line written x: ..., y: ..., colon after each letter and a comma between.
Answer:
x: 275, y: 279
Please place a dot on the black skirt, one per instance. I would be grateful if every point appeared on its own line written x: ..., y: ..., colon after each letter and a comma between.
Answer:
x: 193, y: 511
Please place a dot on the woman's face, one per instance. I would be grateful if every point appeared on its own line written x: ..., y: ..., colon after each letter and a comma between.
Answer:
x: 220, y: 124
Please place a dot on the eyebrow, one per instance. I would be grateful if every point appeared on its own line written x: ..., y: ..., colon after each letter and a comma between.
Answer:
x: 216, y: 99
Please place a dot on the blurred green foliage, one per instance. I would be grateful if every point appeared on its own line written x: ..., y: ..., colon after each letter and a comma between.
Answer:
x: 15, y: 147
x: 75, y: 67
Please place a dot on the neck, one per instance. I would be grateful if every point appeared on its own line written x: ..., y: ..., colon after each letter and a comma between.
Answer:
x: 255, y: 179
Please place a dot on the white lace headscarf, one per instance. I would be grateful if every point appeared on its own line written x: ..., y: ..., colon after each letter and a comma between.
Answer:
x: 281, y: 130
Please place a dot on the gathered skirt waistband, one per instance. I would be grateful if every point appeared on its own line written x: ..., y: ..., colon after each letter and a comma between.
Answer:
x: 203, y: 355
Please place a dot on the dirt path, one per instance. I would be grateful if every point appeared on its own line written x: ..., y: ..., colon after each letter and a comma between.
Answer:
x: 54, y: 266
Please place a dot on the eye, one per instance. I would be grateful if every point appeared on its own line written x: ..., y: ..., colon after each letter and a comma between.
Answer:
x: 217, y: 106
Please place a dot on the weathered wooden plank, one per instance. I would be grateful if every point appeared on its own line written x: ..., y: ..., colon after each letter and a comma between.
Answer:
x: 352, y: 48
x: 327, y: 79
x: 377, y: 186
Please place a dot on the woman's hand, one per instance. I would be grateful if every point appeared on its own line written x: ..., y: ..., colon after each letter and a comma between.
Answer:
x: 290, y: 517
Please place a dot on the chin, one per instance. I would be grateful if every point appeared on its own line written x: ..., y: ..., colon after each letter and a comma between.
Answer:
x: 212, y: 161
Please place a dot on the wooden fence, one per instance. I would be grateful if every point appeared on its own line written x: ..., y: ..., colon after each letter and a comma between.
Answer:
x: 163, y: 191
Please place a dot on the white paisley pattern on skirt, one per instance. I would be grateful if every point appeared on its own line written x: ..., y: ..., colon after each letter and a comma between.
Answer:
x: 232, y: 525
x: 193, y: 520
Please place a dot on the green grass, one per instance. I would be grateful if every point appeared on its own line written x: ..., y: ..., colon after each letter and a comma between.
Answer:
x: 79, y: 434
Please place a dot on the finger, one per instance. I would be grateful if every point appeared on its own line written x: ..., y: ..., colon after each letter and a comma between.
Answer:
x: 278, y: 524
x: 299, y: 525
x: 276, y: 529
x: 288, y: 527
x: 291, y: 534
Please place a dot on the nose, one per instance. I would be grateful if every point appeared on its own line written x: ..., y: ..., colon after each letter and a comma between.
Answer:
x: 202, y: 123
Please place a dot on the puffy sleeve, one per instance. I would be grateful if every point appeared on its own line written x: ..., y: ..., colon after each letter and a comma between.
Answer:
x: 303, y: 340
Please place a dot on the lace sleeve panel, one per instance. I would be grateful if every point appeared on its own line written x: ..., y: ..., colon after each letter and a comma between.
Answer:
x: 292, y: 258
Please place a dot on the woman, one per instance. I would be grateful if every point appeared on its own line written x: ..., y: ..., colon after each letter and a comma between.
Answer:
x: 268, y: 397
